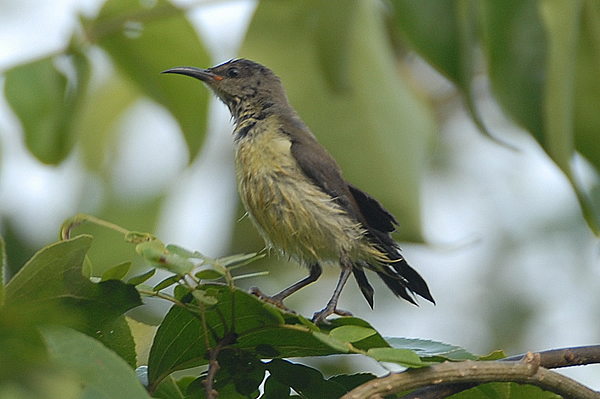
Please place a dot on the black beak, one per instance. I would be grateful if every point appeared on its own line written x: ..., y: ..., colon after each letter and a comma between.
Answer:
x: 203, y: 74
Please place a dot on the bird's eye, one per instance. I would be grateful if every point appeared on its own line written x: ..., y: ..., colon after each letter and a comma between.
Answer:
x: 233, y: 72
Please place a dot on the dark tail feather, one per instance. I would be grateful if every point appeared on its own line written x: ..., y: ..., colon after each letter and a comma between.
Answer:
x: 414, y: 281
x: 363, y: 284
x: 407, y: 282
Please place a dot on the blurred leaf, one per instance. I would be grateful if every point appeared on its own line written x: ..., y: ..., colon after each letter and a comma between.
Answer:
x: 443, y: 32
x: 517, y: 51
x: 117, y: 272
x: 110, y: 248
x: 145, y: 38
x: 53, y: 276
x: 561, y: 23
x: 101, y: 372
x: 333, y: 32
x: 155, y: 253
x: 386, y: 130
x: 45, y: 102
x: 21, y: 346
x: 2, y: 265
x: 587, y: 85
x: 433, y: 29
x: 101, y: 111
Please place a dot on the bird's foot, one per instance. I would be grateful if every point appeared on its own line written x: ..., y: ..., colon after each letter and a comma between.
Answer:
x: 273, y: 300
x: 321, y: 316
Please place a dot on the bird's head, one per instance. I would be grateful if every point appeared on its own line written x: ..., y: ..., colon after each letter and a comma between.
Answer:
x: 243, y: 85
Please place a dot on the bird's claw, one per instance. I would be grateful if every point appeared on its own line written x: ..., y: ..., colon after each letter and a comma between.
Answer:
x: 321, y: 316
x: 273, y: 300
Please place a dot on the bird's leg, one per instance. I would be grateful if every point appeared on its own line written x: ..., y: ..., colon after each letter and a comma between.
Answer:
x: 315, y: 271
x: 331, y: 307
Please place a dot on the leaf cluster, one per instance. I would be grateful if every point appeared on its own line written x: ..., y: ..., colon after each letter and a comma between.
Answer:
x: 61, y: 327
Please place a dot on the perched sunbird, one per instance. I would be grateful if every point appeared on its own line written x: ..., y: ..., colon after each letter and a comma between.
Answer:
x: 295, y: 194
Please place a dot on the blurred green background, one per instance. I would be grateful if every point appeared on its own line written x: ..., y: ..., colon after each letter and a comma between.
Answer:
x: 475, y: 123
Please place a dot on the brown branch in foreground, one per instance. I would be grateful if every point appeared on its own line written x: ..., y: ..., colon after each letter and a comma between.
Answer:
x: 565, y: 357
x: 213, y: 365
x: 551, y: 359
x: 526, y: 371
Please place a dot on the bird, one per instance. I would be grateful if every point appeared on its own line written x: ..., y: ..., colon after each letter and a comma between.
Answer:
x: 294, y: 192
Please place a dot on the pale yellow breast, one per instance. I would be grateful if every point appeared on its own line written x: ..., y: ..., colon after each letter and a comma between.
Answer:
x: 293, y: 215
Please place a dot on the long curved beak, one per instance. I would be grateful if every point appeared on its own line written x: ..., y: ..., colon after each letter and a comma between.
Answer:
x: 203, y: 74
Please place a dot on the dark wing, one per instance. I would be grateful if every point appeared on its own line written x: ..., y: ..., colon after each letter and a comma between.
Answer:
x: 320, y: 167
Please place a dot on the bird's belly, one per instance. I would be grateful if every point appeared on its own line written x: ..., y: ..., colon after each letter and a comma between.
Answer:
x: 292, y: 214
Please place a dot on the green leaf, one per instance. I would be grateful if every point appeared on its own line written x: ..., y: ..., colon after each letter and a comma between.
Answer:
x: 305, y: 380
x: 505, y: 390
x: 145, y: 38
x: 204, y: 297
x: 372, y: 341
x: 53, y: 276
x: 333, y: 342
x: 351, y: 381
x: 431, y: 350
x: 352, y: 333
x: 22, y: 348
x: 208, y: 274
x: 275, y: 389
x: 262, y: 329
x: 377, y: 114
x: 169, y: 281
x: 170, y: 388
x: 142, y: 277
x: 184, y: 253
x: 444, y: 33
x: 46, y: 275
x: 517, y: 60
x: 403, y: 357
x: 46, y: 102
x: 239, y: 260
x: 155, y: 252
x: 333, y: 32
x: 495, y: 355
x: 433, y: 28
x: 100, y: 371
x: 117, y: 272
x: 2, y: 263
x: 587, y: 85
